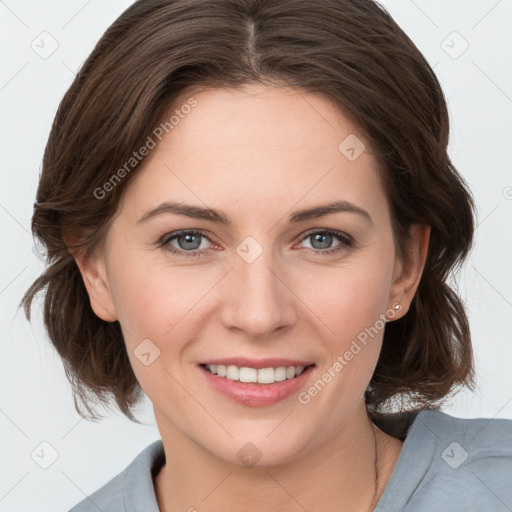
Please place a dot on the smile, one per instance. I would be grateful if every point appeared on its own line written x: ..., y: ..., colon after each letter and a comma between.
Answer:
x: 261, y: 376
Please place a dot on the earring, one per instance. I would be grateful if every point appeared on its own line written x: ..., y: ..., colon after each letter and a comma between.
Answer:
x: 396, y: 307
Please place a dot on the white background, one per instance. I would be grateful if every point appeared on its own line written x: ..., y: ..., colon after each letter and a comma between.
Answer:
x: 36, y: 402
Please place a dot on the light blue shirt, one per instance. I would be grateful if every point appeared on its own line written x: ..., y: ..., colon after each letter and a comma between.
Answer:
x: 446, y: 464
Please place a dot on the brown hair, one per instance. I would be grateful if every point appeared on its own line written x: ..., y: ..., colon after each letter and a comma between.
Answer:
x: 353, y: 53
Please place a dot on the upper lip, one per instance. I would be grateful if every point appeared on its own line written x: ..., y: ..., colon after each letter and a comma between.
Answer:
x: 271, y: 362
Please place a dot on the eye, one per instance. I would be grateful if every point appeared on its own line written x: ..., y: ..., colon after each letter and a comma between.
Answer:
x: 321, y: 241
x: 188, y: 243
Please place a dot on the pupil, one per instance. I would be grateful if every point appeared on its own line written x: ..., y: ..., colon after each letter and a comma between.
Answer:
x: 326, y: 237
x: 188, y: 239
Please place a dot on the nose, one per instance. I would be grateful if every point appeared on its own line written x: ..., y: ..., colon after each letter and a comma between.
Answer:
x: 257, y: 298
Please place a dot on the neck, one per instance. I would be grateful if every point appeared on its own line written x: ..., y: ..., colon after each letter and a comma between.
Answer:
x: 340, y: 471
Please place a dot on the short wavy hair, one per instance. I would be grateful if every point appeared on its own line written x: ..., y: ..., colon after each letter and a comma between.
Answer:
x: 350, y: 51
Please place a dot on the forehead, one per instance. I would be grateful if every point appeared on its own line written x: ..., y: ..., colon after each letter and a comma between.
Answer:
x: 255, y: 115
x: 257, y: 145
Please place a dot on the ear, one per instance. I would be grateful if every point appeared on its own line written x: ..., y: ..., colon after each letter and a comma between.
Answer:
x: 94, y: 275
x: 408, y: 272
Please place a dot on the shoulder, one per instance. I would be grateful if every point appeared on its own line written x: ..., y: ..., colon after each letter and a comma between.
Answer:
x: 467, y: 439
x: 132, y: 487
x: 108, y: 498
x: 469, y: 462
x: 449, y: 463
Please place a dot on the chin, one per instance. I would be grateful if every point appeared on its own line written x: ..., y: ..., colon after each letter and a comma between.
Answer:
x: 258, y: 450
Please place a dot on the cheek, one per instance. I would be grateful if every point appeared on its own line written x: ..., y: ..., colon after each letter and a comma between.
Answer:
x: 354, y: 297
x: 160, y: 309
x: 152, y: 307
x: 353, y: 307
x: 151, y: 297
x: 357, y: 335
x: 353, y: 342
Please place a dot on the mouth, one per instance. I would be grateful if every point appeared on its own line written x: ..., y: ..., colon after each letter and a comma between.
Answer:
x: 257, y: 383
x: 250, y: 374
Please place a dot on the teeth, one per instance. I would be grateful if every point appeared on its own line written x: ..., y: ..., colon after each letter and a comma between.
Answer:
x: 233, y: 372
x: 262, y: 375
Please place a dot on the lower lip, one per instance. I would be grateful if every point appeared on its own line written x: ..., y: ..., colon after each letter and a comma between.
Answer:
x: 254, y: 394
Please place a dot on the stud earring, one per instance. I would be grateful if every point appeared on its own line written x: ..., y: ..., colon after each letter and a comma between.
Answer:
x: 396, y: 307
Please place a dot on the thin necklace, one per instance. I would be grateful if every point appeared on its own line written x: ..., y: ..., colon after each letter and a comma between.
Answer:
x: 372, y: 504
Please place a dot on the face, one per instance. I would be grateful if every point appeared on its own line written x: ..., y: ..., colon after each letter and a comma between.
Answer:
x: 257, y: 280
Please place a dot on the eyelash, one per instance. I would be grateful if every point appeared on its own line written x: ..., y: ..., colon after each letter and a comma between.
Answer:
x: 346, y: 241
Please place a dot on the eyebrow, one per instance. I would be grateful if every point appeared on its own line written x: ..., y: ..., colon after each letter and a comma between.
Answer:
x: 209, y: 214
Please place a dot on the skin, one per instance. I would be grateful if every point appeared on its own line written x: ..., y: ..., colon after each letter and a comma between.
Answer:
x: 258, y: 154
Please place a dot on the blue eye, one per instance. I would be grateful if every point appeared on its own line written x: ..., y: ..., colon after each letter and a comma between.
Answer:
x: 325, y: 237
x: 188, y: 245
x: 189, y: 242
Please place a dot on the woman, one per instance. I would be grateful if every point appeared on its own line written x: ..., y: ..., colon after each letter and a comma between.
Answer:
x: 250, y: 216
